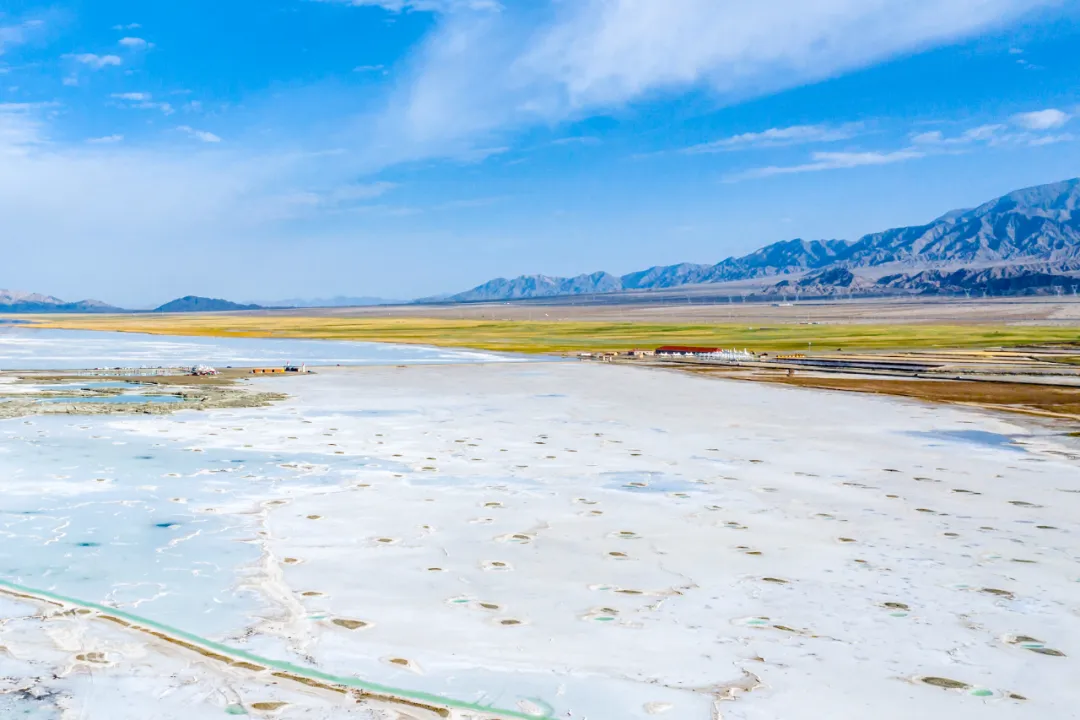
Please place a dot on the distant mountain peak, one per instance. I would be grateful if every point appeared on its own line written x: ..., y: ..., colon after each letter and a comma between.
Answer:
x: 18, y: 301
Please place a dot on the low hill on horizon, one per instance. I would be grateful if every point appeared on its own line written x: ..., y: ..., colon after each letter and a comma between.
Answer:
x: 195, y: 304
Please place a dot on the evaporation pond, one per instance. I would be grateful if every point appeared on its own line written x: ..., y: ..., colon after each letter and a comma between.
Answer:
x: 971, y: 437
x: 115, y: 399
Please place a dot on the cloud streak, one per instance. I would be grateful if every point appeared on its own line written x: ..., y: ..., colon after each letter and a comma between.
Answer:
x: 398, y: 6
x: 1034, y: 127
x: 820, y: 161
x: 1028, y: 128
x: 778, y: 137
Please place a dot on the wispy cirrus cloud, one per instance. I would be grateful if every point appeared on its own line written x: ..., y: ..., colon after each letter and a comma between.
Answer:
x: 349, y: 197
x: 778, y: 137
x: 1027, y: 128
x: 484, y: 74
x: 1022, y: 129
x: 979, y: 134
x: 820, y: 161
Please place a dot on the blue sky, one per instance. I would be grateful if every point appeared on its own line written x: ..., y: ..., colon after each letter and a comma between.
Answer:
x: 269, y: 149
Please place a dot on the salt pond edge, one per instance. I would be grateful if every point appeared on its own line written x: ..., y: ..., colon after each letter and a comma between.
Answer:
x: 229, y: 655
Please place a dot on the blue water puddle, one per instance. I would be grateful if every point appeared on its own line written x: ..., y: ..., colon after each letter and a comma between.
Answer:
x: 362, y: 413
x: 981, y: 438
x: 149, y: 526
x: 94, y: 385
x: 648, y: 482
x: 115, y: 399
x: 28, y: 707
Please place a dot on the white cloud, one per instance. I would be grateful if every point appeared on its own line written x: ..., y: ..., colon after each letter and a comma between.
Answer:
x: 1033, y: 133
x: 97, y: 62
x: 481, y: 74
x: 134, y: 43
x: 143, y: 101
x: 778, y: 137
x: 832, y: 161
x: 342, y: 196
x: 982, y: 133
x: 133, y: 96
x: 203, y: 135
x: 129, y: 26
x: 106, y: 140
x: 1051, y: 139
x: 1048, y: 119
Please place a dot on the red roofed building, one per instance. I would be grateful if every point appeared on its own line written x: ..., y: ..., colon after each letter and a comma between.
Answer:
x: 685, y: 350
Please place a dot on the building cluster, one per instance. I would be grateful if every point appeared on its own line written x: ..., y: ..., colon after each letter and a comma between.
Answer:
x: 688, y: 352
x: 290, y: 368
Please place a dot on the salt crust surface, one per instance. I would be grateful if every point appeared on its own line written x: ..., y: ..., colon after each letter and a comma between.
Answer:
x: 607, y: 541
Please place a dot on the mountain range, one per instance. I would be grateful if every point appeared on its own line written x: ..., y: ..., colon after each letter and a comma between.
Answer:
x: 16, y: 301
x: 1026, y: 242
x: 1023, y: 243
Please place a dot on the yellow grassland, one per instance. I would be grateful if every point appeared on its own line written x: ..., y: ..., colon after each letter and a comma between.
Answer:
x: 526, y: 336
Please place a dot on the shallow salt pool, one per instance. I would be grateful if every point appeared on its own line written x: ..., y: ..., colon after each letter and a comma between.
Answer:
x: 133, y: 399
x: 80, y: 502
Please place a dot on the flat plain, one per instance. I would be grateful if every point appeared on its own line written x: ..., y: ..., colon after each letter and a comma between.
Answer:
x: 535, y: 327
x: 486, y: 540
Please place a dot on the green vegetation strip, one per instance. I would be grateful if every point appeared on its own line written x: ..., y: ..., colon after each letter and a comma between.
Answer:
x: 302, y: 672
x: 572, y: 336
